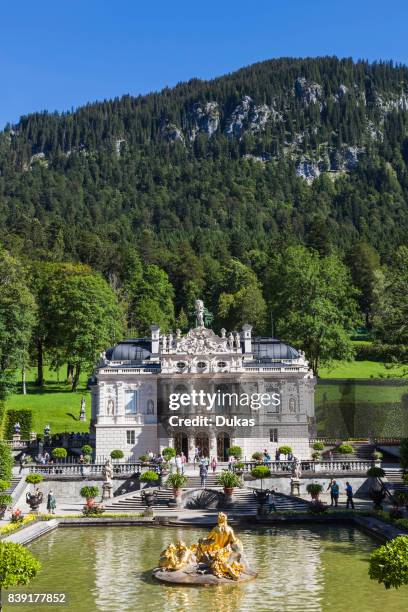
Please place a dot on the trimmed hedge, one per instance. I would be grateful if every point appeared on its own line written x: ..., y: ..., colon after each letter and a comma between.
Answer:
x: 6, y: 462
x: 24, y: 416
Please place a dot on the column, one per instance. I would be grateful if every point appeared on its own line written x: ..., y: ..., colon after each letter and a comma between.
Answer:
x: 213, y: 443
x: 191, y: 447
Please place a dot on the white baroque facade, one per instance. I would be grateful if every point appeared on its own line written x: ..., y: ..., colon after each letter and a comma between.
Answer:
x: 134, y: 380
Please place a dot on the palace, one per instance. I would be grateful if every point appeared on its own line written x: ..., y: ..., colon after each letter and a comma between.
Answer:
x: 202, y: 391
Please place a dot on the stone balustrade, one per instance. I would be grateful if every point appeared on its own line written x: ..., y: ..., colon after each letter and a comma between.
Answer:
x: 90, y: 469
x: 284, y: 467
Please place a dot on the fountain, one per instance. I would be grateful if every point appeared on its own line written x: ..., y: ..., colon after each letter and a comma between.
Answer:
x: 217, y: 559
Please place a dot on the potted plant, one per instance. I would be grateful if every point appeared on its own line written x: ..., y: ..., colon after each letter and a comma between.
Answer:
x: 235, y: 451
x: 318, y: 446
x: 176, y: 482
x: 168, y: 454
x: 87, y: 450
x: 59, y: 453
x: 91, y: 508
x: 117, y: 454
x: 345, y: 449
x: 315, y: 455
x: 285, y: 450
x: 144, y: 459
x: 149, y: 477
x: 34, y: 499
x: 259, y: 473
x: 257, y: 456
x: 314, y: 489
x: 239, y: 468
x: 377, y: 456
x: 228, y: 480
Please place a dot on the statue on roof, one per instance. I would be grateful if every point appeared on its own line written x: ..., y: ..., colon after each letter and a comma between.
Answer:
x: 199, y: 308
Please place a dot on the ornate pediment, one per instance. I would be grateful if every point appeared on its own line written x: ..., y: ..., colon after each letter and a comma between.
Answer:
x: 201, y: 341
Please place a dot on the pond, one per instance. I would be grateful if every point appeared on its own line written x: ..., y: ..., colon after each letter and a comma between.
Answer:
x: 300, y: 569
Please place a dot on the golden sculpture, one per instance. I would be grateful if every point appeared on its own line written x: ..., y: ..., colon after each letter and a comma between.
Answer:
x: 218, y: 556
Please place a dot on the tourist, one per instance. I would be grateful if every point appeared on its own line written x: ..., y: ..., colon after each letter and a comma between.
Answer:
x: 271, y: 501
x: 179, y: 464
x: 203, y: 474
x: 51, y: 503
x: 349, y: 493
x: 329, y: 488
x: 46, y: 457
x: 150, y: 454
x: 231, y: 461
x: 213, y: 464
x: 267, y: 456
x: 335, y: 492
x: 183, y: 461
x: 81, y: 464
x: 196, y: 456
x: 277, y: 455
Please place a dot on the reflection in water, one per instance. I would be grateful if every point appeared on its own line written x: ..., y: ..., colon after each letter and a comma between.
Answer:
x: 109, y: 570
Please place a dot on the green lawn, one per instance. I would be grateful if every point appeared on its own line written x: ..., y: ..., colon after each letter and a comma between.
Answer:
x: 362, y: 369
x: 54, y: 405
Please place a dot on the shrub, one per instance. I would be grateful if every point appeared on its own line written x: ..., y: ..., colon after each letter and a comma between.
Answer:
x: 389, y: 563
x: 89, y: 492
x: 238, y: 466
x: 235, y: 451
x: 5, y: 499
x: 375, y: 472
x: 396, y: 513
x: 149, y: 476
x: 285, y: 450
x: 257, y: 456
x: 6, y: 462
x: 318, y: 446
x: 117, y: 454
x: 404, y: 453
x: 143, y: 458
x: 34, y: 478
x: 314, y: 488
x: 17, y: 516
x: 86, y: 449
x: 93, y: 509
x: 345, y: 449
x: 318, y: 507
x: 17, y: 565
x: 260, y: 472
x: 176, y: 481
x: 24, y: 416
x: 167, y: 453
x: 59, y: 453
x: 377, y: 455
x: 228, y: 480
x: 316, y: 455
x: 4, y: 484
x: 401, y: 498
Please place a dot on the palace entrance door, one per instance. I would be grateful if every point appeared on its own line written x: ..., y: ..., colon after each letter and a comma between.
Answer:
x: 202, y: 442
x: 223, y: 444
x: 181, y: 443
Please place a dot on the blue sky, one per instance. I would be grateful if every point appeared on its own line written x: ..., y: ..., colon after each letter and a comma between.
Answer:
x: 61, y: 54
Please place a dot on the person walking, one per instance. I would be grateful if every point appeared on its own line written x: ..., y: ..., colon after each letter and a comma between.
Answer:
x: 51, y: 502
x: 81, y: 464
x: 179, y: 464
x: 329, y: 488
x: 183, y: 461
x: 231, y: 461
x: 271, y: 501
x: 335, y: 492
x: 213, y: 464
x: 349, y: 493
x: 203, y: 474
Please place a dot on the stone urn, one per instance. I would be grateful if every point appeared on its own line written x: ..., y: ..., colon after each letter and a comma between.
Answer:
x: 34, y: 500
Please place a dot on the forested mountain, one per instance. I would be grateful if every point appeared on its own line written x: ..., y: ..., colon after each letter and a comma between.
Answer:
x: 281, y: 153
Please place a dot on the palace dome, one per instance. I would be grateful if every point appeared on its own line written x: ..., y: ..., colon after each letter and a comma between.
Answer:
x: 269, y: 349
x: 136, y: 350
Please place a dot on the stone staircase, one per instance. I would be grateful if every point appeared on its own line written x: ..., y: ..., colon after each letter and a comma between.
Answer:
x: 13, y: 484
x: 362, y: 450
x: 244, y: 502
x: 394, y: 479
